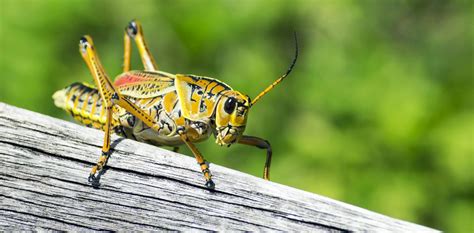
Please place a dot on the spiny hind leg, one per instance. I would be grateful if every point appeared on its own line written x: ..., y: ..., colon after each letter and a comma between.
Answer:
x: 134, y: 31
x: 106, y: 90
x: 110, y: 96
x: 127, y: 51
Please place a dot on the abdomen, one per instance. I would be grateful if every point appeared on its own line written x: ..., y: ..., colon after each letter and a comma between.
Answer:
x: 84, y: 104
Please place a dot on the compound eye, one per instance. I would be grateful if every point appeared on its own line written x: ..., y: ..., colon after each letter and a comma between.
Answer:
x: 132, y: 28
x: 229, y: 105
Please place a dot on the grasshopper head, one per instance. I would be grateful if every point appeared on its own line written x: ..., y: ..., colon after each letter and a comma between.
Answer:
x: 232, y: 109
x: 231, y: 117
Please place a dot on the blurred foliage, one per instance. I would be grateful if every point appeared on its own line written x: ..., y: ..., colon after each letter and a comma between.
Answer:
x: 378, y: 112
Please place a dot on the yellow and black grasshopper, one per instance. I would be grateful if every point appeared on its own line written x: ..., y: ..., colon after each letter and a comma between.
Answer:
x: 160, y: 108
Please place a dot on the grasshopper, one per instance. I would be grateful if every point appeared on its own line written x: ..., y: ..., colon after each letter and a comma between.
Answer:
x: 160, y: 108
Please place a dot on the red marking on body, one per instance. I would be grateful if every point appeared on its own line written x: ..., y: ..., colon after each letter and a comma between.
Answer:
x: 128, y: 79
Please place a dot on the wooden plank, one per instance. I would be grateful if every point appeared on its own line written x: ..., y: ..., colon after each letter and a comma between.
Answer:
x: 45, y: 163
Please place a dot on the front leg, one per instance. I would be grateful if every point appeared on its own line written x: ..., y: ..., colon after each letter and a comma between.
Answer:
x: 262, y: 144
x: 199, y: 158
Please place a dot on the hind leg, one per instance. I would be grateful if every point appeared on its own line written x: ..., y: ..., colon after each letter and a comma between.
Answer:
x: 110, y: 96
x: 134, y: 31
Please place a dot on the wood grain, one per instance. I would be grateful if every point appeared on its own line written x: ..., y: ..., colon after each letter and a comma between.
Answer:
x: 45, y: 163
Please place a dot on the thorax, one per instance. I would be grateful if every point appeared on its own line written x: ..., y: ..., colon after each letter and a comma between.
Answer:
x: 180, y: 102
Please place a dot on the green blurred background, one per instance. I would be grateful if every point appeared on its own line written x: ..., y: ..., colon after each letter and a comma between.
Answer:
x: 378, y: 112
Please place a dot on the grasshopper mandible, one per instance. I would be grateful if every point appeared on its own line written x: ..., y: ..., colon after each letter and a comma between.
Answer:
x: 160, y: 108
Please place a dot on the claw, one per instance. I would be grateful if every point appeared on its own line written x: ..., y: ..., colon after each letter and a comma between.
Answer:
x: 91, y: 178
x: 210, y: 184
x: 94, y: 181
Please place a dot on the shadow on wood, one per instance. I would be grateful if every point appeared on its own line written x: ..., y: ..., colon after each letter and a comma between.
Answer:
x: 45, y: 163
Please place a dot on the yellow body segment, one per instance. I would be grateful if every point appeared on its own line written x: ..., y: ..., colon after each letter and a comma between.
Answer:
x: 157, y: 94
x: 198, y: 95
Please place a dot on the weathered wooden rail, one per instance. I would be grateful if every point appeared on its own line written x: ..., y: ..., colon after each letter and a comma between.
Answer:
x: 43, y: 185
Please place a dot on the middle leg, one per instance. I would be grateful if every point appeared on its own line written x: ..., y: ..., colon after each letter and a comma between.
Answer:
x: 200, y: 160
